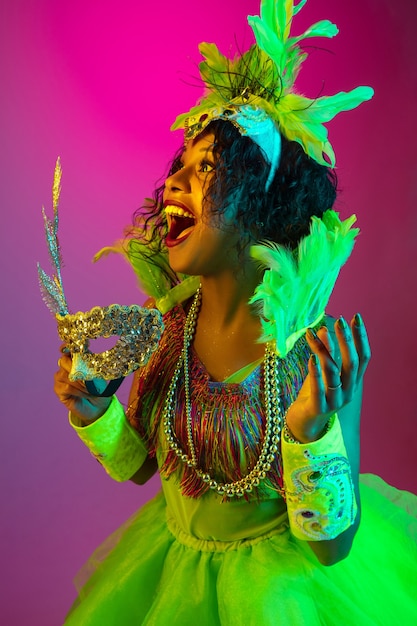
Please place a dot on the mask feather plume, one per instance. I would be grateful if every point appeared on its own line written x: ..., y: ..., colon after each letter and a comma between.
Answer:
x: 51, y: 287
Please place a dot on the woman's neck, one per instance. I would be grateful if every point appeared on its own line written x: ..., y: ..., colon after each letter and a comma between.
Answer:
x: 225, y: 296
x: 227, y: 326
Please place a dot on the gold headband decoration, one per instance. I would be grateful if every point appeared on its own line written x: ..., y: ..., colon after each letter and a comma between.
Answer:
x: 139, y: 329
x: 262, y: 79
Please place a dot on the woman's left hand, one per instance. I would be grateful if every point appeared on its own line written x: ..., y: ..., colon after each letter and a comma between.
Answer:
x: 334, y: 375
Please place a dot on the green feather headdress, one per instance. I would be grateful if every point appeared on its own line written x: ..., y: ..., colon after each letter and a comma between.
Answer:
x: 263, y: 78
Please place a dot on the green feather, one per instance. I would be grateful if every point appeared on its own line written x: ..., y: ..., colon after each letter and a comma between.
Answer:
x: 296, y: 286
x: 299, y: 6
x: 324, y: 28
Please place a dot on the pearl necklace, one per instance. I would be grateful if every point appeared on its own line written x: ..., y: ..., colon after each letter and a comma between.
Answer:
x: 270, y: 445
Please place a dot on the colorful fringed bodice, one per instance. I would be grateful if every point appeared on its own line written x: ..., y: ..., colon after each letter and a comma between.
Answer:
x: 228, y: 418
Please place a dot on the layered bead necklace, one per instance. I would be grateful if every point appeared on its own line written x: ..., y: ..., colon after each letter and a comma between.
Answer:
x: 273, y: 422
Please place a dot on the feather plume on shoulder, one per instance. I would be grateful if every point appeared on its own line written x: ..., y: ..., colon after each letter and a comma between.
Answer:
x: 149, y: 268
x: 297, y: 285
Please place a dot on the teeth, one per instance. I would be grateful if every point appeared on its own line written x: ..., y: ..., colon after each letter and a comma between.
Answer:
x: 172, y: 209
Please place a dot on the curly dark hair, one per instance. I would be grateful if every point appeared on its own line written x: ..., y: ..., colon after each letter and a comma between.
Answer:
x: 300, y: 189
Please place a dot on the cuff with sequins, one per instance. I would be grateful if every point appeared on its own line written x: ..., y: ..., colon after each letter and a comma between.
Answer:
x: 318, y: 486
x: 113, y: 442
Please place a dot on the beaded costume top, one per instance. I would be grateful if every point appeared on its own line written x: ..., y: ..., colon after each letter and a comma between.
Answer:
x: 228, y: 417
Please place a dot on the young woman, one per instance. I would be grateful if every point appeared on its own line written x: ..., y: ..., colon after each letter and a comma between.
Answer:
x: 250, y: 406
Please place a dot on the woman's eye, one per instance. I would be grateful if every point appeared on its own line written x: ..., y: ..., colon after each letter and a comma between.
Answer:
x: 206, y: 167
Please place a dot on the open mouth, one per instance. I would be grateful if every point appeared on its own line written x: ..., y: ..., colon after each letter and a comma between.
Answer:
x: 180, y: 224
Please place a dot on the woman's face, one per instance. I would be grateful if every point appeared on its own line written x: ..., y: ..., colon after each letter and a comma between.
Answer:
x: 197, y: 243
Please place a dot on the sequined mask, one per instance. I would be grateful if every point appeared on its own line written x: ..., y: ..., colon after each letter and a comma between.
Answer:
x: 139, y: 332
x: 139, y: 329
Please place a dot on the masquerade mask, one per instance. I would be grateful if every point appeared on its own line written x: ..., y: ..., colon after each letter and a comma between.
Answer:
x: 139, y: 329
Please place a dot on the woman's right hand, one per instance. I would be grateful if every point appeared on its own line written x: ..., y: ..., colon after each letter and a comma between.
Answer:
x: 74, y: 393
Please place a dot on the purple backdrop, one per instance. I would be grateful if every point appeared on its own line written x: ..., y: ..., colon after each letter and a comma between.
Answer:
x: 99, y: 84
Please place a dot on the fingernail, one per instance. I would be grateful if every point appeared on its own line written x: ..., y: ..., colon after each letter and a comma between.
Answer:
x: 311, y: 334
x: 341, y: 322
x: 315, y: 360
x: 358, y: 319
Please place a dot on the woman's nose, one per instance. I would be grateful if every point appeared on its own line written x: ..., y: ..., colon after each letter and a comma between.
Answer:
x: 179, y: 181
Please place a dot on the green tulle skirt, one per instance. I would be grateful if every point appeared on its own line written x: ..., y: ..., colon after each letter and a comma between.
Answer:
x: 151, y: 572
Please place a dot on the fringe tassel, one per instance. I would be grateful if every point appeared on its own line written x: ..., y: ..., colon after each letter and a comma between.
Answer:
x: 153, y: 380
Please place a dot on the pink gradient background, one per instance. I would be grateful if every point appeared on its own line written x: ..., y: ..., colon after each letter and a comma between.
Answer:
x: 99, y: 84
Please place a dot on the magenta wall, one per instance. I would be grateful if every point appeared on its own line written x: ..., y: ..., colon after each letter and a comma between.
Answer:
x: 99, y: 83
